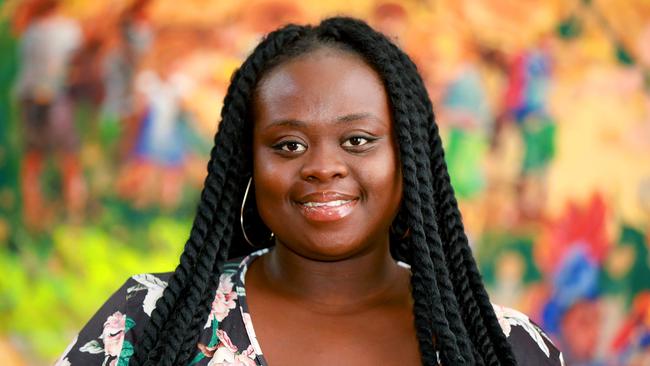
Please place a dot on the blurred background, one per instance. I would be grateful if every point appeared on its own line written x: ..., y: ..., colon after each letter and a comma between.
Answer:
x: 108, y: 108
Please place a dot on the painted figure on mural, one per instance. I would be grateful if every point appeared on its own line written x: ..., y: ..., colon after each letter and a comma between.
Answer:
x: 47, y: 46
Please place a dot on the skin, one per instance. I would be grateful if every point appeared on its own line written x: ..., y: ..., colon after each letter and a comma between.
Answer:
x: 323, y: 124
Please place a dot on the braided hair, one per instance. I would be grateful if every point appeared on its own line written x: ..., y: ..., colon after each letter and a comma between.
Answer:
x: 454, y: 319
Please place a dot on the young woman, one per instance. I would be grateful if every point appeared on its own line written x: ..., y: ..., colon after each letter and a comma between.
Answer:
x: 329, y: 161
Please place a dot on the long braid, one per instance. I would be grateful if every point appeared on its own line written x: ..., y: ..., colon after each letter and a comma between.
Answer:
x: 487, y: 331
x: 178, y: 324
x: 213, y: 262
x: 177, y: 282
x: 422, y: 280
x: 479, y: 330
x: 462, y: 296
x: 183, y: 317
x: 227, y: 140
x: 204, y: 224
x: 471, y: 312
x: 434, y: 234
x: 428, y: 306
x: 453, y: 249
x: 456, y: 247
x: 205, y: 213
x: 425, y: 292
x: 189, y: 344
x: 453, y: 354
x: 450, y: 313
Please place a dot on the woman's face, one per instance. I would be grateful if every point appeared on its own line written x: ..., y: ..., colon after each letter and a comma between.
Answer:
x: 327, y: 177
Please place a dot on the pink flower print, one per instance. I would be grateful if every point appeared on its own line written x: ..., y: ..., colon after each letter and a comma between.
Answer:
x: 207, y: 351
x: 224, y: 300
x: 225, y: 357
x: 113, y: 334
x: 246, y: 358
x: 226, y: 354
x: 225, y: 340
x: 249, y: 353
x: 243, y: 360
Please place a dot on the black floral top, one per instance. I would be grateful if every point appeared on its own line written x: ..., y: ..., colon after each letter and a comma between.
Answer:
x: 228, y: 337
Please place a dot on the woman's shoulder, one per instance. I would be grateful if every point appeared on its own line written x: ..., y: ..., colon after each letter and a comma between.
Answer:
x: 529, y: 343
x: 109, y: 334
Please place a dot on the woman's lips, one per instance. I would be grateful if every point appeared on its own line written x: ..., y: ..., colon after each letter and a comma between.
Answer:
x: 324, y: 206
x: 324, y: 211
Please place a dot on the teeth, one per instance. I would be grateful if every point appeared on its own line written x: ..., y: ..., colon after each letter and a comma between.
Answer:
x: 326, y: 204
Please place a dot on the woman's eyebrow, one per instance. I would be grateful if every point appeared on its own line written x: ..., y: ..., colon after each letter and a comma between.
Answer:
x: 285, y: 123
x: 295, y: 123
x: 357, y: 116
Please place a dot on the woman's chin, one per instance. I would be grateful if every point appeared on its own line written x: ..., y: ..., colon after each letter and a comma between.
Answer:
x: 329, y: 250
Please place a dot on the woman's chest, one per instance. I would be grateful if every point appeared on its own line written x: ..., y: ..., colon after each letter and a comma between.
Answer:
x: 297, y: 336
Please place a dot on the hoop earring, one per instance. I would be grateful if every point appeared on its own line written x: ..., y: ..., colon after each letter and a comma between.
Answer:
x: 241, y: 215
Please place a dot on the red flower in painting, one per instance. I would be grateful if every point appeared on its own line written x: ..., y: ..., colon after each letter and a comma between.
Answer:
x: 585, y: 226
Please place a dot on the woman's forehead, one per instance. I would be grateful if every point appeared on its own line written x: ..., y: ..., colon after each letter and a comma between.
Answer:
x: 323, y: 84
x: 323, y: 62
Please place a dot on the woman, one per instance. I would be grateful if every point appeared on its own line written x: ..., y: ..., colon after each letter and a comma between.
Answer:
x: 331, y: 130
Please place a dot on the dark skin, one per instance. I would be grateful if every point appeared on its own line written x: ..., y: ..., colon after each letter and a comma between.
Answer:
x: 328, y: 184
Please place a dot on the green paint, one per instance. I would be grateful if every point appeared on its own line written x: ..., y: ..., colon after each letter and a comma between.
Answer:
x: 569, y: 28
x: 623, y: 56
x: 464, y: 153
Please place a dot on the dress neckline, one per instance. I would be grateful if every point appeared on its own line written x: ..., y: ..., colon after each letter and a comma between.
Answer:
x: 240, y: 286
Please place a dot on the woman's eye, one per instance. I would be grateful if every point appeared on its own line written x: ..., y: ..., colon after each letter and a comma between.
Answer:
x: 355, y: 141
x: 291, y: 146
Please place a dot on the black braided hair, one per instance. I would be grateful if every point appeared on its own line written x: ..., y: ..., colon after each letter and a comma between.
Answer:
x: 454, y: 319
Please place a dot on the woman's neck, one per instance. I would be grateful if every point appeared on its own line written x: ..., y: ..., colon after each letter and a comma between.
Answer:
x: 348, y: 285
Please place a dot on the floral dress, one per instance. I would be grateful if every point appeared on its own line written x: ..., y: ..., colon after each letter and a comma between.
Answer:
x: 228, y: 337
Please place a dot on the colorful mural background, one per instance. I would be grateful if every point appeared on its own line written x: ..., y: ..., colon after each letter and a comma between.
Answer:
x: 544, y: 107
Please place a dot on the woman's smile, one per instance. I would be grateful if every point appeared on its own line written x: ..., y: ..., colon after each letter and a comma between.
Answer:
x: 327, y: 206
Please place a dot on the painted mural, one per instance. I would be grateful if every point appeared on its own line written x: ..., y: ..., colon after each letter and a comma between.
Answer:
x: 108, y: 108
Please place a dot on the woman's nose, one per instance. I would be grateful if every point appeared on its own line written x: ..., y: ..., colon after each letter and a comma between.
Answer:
x: 323, y: 164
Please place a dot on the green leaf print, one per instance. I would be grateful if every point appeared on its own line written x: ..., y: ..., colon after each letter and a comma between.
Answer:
x: 197, y: 358
x: 213, y: 342
x: 215, y: 339
x: 125, y: 355
x: 130, y: 323
x: 92, y: 347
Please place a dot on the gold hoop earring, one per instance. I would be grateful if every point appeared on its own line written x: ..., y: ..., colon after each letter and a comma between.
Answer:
x: 241, y: 215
